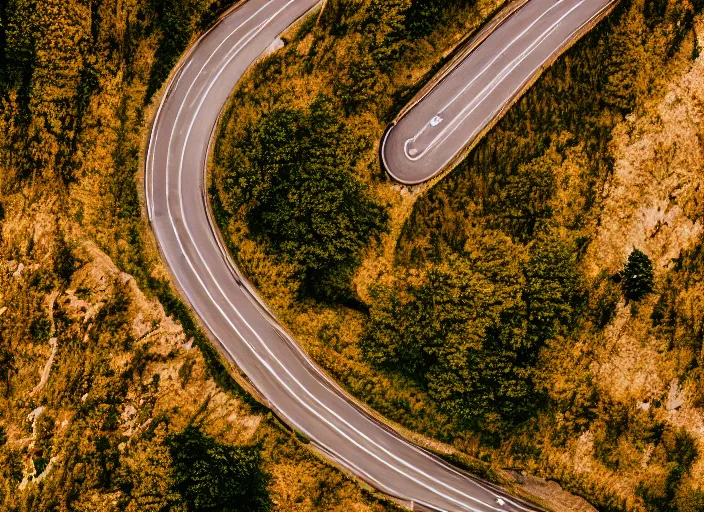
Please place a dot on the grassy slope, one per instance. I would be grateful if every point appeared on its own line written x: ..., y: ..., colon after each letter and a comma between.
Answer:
x: 571, y: 126
x: 74, y: 81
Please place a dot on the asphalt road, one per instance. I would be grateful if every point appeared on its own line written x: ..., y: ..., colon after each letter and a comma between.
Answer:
x: 247, y: 332
x: 474, y: 94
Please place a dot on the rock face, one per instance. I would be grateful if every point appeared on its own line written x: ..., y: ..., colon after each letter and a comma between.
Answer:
x: 652, y: 199
x: 675, y: 397
x: 551, y: 493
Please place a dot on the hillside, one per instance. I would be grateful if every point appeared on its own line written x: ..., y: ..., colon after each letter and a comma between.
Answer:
x: 534, y: 309
x: 110, y: 396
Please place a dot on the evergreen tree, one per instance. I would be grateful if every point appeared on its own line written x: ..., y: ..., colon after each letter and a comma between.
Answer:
x: 638, y: 276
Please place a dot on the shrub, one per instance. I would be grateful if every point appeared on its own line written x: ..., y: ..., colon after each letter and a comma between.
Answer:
x: 689, y: 500
x: 471, y: 330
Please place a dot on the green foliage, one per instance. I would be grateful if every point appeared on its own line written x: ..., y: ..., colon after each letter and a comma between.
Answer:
x: 43, y: 441
x: 16, y: 44
x: 64, y: 261
x: 114, y: 317
x: 361, y: 81
x: 176, y: 28
x: 300, y: 197
x: 14, y: 466
x: 423, y: 17
x: 39, y: 328
x: 553, y: 291
x: 213, y: 477
x: 604, y: 297
x: 527, y: 197
x: 638, y: 278
x: 470, y: 331
x: 689, y: 500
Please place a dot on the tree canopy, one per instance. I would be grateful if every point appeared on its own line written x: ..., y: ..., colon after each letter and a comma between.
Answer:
x: 300, y: 197
x: 213, y: 477
x: 470, y: 329
x: 638, y: 278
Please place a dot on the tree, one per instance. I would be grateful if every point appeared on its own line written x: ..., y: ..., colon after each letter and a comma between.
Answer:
x: 174, y: 20
x: 213, y: 477
x: 64, y: 261
x: 470, y: 330
x: 553, y: 290
x: 690, y: 500
x: 527, y: 195
x: 300, y: 198
x: 638, y: 278
x: 460, y: 333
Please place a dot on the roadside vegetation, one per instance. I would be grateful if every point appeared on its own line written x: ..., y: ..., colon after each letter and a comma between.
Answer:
x: 534, y: 308
x: 111, y: 398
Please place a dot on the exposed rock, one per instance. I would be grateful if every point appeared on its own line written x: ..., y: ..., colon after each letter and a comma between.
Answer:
x: 47, y: 368
x: 128, y: 412
x: 32, y: 416
x: 643, y: 406
x: 275, y: 46
x: 675, y: 397
x: 651, y: 199
x: 552, y: 493
x: 18, y: 273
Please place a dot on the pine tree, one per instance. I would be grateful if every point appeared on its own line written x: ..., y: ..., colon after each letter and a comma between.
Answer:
x: 638, y: 276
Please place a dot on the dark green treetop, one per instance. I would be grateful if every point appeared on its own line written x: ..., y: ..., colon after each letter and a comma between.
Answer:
x: 638, y: 278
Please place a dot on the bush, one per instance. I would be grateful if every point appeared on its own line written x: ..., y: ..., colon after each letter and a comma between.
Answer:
x: 689, y: 500
x: 638, y: 277
x: 679, y: 451
x: 213, y: 477
x: 174, y: 23
x: 64, y: 261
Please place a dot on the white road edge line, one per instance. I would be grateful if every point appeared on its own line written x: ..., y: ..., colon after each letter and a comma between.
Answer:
x: 256, y: 31
x: 150, y: 188
x: 481, y: 73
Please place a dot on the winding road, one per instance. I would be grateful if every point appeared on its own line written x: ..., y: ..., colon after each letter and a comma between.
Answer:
x: 445, y: 122
x: 229, y: 308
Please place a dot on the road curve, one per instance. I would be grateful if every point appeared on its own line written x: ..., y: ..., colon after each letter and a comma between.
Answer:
x: 457, y: 111
x: 246, y: 331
